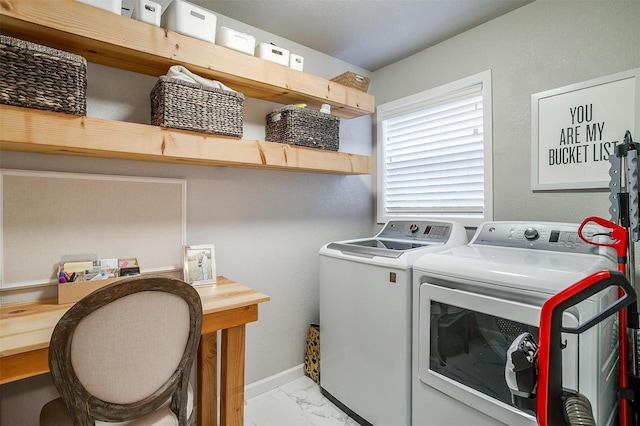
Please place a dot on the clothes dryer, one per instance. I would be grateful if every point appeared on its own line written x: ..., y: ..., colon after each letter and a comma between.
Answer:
x: 365, y: 317
x: 470, y: 303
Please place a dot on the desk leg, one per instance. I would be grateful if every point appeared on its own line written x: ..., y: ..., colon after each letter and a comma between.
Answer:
x: 208, y: 380
x: 232, y: 377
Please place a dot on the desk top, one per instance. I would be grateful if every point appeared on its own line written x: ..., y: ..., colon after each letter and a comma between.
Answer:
x: 28, y: 326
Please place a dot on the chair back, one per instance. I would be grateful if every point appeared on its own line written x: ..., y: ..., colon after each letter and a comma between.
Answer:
x: 122, y: 351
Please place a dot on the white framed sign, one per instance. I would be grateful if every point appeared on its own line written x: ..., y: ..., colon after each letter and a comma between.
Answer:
x: 575, y: 128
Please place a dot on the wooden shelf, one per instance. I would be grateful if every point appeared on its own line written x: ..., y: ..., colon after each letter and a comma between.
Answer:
x: 30, y: 130
x: 105, y: 38
x: 116, y: 41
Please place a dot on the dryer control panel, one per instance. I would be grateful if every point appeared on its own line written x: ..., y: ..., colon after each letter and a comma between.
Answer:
x: 551, y: 236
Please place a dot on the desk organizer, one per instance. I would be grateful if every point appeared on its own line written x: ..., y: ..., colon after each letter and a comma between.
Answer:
x: 70, y: 292
x: 188, y: 106
x: 353, y: 80
x: 35, y: 76
x: 303, y: 127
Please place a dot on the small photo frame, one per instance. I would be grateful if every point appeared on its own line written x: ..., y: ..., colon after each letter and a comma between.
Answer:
x: 199, y: 264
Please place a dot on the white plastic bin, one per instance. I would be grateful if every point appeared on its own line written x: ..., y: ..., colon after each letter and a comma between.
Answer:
x: 272, y: 53
x: 147, y: 11
x: 236, y: 40
x: 296, y: 62
x: 188, y: 19
x: 114, y: 6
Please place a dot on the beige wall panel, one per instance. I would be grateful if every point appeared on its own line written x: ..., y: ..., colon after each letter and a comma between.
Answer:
x: 49, y: 215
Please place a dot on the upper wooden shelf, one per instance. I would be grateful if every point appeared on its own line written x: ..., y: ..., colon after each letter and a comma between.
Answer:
x: 116, y: 41
x: 31, y: 130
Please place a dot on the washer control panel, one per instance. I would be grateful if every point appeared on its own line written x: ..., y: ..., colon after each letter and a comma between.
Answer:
x: 540, y: 236
x: 424, y: 231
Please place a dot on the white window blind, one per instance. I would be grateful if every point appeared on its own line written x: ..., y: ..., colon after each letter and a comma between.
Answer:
x: 433, y: 155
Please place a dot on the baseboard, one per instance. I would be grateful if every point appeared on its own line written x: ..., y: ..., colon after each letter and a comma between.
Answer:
x: 269, y: 383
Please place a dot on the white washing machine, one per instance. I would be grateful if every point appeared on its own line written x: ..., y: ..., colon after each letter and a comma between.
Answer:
x: 470, y: 303
x: 365, y: 318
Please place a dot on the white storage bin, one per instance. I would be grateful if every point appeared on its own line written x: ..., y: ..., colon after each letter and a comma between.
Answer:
x: 114, y: 6
x: 188, y: 19
x: 236, y: 40
x: 296, y: 62
x: 273, y: 53
x: 147, y: 11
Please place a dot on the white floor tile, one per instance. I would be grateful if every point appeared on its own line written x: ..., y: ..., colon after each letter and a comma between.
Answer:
x: 272, y: 409
x: 298, y: 403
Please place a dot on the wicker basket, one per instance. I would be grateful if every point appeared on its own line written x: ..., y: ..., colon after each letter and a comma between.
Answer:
x: 35, y: 76
x: 353, y: 80
x: 189, y: 106
x: 303, y: 127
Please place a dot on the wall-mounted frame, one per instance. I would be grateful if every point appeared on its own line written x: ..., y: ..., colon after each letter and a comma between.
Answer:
x: 575, y: 128
x: 47, y: 215
x: 199, y: 264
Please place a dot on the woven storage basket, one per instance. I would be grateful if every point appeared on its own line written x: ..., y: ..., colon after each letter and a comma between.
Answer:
x: 303, y: 127
x: 353, y: 80
x: 35, y: 76
x: 189, y: 106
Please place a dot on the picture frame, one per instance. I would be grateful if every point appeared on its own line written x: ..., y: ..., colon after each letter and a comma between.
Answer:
x: 574, y: 130
x: 199, y: 264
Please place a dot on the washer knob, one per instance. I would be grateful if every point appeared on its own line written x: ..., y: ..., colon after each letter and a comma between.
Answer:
x: 531, y: 234
x: 413, y: 228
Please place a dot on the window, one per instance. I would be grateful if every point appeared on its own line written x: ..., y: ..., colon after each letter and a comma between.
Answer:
x: 434, y: 154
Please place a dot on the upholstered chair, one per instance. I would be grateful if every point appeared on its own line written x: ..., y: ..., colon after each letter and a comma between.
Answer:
x: 123, y: 355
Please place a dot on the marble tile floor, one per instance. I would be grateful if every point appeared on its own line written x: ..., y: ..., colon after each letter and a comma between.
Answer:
x: 297, y: 403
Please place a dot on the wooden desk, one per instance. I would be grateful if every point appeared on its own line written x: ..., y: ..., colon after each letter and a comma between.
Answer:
x: 25, y: 331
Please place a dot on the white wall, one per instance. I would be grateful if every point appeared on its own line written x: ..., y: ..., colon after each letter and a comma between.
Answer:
x: 267, y: 225
x: 541, y: 46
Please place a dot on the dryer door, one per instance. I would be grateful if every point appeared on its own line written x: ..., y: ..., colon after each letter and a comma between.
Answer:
x: 463, y: 341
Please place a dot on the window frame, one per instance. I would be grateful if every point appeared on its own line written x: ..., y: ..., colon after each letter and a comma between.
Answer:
x: 382, y: 112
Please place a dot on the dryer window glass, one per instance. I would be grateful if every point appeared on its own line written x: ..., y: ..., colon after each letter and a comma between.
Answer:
x: 471, y: 347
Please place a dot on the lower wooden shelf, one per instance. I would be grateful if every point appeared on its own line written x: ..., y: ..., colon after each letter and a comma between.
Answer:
x: 29, y: 130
